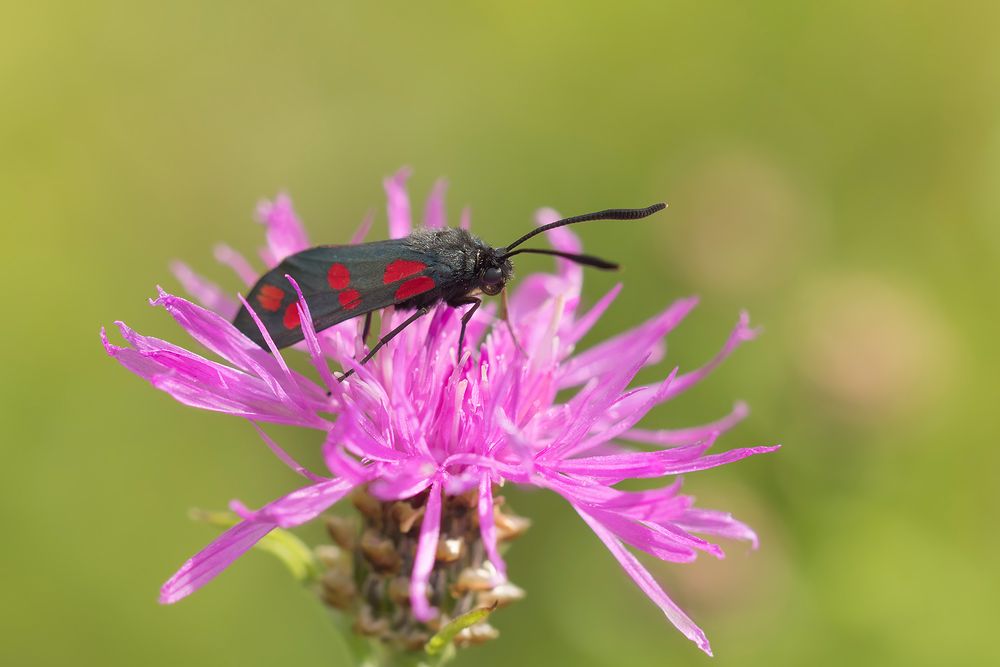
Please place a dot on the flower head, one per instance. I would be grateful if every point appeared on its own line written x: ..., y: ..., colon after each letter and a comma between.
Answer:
x: 421, y: 423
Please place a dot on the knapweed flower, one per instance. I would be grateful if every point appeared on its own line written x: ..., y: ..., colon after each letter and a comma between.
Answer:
x: 424, y: 436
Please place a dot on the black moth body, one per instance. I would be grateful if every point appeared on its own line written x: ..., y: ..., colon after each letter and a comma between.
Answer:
x: 412, y: 274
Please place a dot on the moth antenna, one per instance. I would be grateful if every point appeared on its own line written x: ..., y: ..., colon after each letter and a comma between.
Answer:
x: 607, y: 214
x: 586, y: 260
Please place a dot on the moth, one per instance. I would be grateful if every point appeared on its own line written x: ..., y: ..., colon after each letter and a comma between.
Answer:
x: 414, y: 273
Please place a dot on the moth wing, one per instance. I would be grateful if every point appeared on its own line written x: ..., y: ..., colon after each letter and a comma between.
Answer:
x: 338, y: 283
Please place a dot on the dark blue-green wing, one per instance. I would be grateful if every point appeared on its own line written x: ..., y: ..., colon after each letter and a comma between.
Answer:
x: 339, y: 283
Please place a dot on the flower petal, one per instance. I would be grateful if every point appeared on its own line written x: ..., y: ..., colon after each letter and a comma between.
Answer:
x: 434, y: 216
x: 237, y: 262
x: 677, y: 461
x: 648, y: 584
x: 285, y: 234
x: 487, y: 528
x: 641, y: 340
x: 205, y: 291
x: 685, y: 436
x: 399, y: 204
x: 213, y: 559
x: 423, y: 562
x: 198, y: 382
x: 300, y: 505
x: 713, y: 522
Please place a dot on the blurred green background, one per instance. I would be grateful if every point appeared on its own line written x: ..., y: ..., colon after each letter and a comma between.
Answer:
x: 831, y: 167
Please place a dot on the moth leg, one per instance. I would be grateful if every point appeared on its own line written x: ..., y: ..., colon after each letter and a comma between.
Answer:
x: 385, y: 339
x: 367, y: 328
x: 466, y: 316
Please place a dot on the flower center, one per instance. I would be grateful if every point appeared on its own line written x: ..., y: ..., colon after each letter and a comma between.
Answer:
x: 368, y: 571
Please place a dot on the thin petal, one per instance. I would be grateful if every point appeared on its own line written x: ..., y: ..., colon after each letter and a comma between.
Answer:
x: 585, y: 323
x: 399, y: 204
x: 285, y: 457
x: 213, y: 559
x: 608, y: 354
x: 685, y: 436
x: 434, y: 217
x: 362, y: 231
x: 487, y: 528
x: 713, y: 522
x: 624, y: 423
x: 198, y: 382
x: 653, y: 464
x: 423, y: 562
x: 237, y: 262
x: 301, y: 505
x: 740, y: 334
x: 205, y: 291
x: 285, y: 233
x: 645, y: 581
x: 312, y: 343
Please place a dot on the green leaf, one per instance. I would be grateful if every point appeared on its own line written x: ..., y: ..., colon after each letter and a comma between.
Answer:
x: 288, y: 548
x: 446, y: 635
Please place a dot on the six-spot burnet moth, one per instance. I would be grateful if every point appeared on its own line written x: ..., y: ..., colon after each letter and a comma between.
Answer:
x: 340, y: 282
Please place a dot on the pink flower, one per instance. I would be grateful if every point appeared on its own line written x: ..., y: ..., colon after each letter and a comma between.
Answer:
x: 416, y: 419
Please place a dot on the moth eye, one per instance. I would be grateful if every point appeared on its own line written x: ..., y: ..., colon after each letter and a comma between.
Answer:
x: 492, y: 276
x: 492, y: 281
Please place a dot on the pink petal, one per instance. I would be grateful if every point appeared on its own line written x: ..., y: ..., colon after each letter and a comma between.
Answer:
x: 434, y: 216
x: 608, y: 354
x: 399, y: 204
x: 234, y: 260
x: 285, y: 457
x: 585, y: 323
x: 301, y: 505
x: 685, y: 436
x: 741, y: 333
x: 713, y: 522
x: 627, y: 421
x: 487, y: 528
x: 591, y: 405
x: 206, y: 292
x: 403, y: 481
x: 648, y: 584
x: 196, y: 381
x: 285, y: 234
x: 221, y: 337
x: 675, y: 461
x: 423, y: 562
x: 213, y: 559
x: 362, y: 231
x: 312, y: 344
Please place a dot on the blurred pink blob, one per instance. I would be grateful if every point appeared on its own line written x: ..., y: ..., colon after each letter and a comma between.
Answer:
x: 870, y: 348
x: 742, y: 225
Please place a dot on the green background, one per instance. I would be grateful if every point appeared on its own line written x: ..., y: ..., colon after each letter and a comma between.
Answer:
x: 832, y: 167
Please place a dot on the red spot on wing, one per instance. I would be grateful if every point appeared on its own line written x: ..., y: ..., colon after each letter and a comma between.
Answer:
x: 338, y: 276
x: 350, y: 299
x: 270, y: 297
x: 401, y: 268
x: 413, y: 287
x: 291, y: 318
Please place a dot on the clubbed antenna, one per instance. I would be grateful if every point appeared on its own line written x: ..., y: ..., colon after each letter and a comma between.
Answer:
x: 608, y: 214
